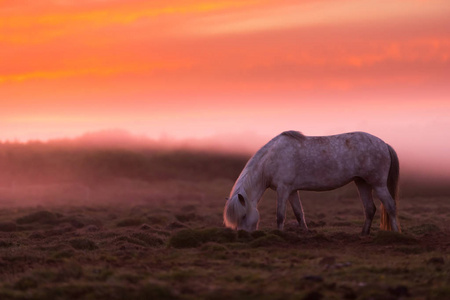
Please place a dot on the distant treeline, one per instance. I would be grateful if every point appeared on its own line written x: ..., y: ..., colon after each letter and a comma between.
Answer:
x: 41, y: 163
x: 49, y: 163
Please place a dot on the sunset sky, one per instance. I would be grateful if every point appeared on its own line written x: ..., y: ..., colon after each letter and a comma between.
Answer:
x: 195, y: 69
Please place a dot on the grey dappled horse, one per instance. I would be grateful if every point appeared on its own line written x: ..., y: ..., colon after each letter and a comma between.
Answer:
x: 291, y: 162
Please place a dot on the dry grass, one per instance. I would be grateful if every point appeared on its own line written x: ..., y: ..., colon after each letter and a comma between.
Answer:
x: 138, y: 236
x: 55, y: 257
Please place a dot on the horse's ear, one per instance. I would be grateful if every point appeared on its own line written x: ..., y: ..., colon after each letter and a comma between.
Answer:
x: 241, y: 199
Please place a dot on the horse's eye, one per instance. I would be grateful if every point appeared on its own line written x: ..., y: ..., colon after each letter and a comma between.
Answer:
x: 243, y: 217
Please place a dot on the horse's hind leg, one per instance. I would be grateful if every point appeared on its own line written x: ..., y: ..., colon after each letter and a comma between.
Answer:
x: 294, y: 199
x: 389, y: 204
x: 365, y: 192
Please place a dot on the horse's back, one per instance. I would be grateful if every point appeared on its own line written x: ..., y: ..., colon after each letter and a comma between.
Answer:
x: 350, y: 143
x: 328, y: 161
x: 340, y: 144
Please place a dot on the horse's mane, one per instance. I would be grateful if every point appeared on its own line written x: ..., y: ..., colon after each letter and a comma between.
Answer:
x: 294, y: 134
x: 247, y: 177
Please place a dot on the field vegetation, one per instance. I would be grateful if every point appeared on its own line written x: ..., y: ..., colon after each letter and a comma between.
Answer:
x: 112, y: 222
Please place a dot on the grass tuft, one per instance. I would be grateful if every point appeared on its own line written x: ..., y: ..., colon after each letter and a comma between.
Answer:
x: 157, y: 219
x: 148, y: 239
x: 213, y: 247
x: 130, y: 222
x: 424, y: 229
x: 5, y: 244
x: 43, y: 217
x: 26, y: 283
x: 257, y: 234
x: 244, y: 236
x: 155, y: 291
x: 121, y: 239
x: 218, y: 235
x: 191, y: 238
x: 267, y: 241
x: 186, y: 217
x: 441, y: 292
x: 391, y: 237
x: 290, y: 237
x: 186, y: 238
x: 64, y: 254
x: 8, y: 226
x: 83, y: 244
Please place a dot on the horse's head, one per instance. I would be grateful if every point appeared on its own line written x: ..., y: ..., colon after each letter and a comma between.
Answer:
x: 241, y: 214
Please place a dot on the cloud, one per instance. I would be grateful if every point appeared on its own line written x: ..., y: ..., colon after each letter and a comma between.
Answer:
x: 98, y: 71
x: 47, y: 22
x: 289, y: 14
x: 268, y: 46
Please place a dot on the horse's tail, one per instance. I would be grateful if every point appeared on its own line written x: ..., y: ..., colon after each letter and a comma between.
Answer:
x: 392, y: 184
x: 233, y: 212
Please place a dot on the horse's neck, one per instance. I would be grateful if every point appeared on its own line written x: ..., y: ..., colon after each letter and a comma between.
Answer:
x: 252, y: 185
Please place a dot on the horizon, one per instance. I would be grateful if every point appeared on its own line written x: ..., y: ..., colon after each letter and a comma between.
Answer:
x: 249, y: 144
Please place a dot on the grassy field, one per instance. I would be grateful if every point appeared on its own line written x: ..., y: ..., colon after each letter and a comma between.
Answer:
x: 122, y: 224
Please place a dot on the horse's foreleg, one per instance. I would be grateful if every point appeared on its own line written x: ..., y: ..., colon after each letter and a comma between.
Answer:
x: 296, y: 204
x: 282, y: 196
x: 389, y: 204
x: 365, y: 193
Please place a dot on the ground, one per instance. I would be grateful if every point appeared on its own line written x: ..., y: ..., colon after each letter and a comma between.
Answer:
x: 166, y: 240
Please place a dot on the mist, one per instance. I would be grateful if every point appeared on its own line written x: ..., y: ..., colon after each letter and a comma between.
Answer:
x: 115, y: 166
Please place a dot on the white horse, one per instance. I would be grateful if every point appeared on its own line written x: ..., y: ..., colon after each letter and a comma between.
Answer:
x: 291, y: 162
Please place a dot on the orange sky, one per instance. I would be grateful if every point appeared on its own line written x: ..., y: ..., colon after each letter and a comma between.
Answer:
x: 189, y: 68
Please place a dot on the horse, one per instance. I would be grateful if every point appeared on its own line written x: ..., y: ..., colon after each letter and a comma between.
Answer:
x: 291, y: 162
